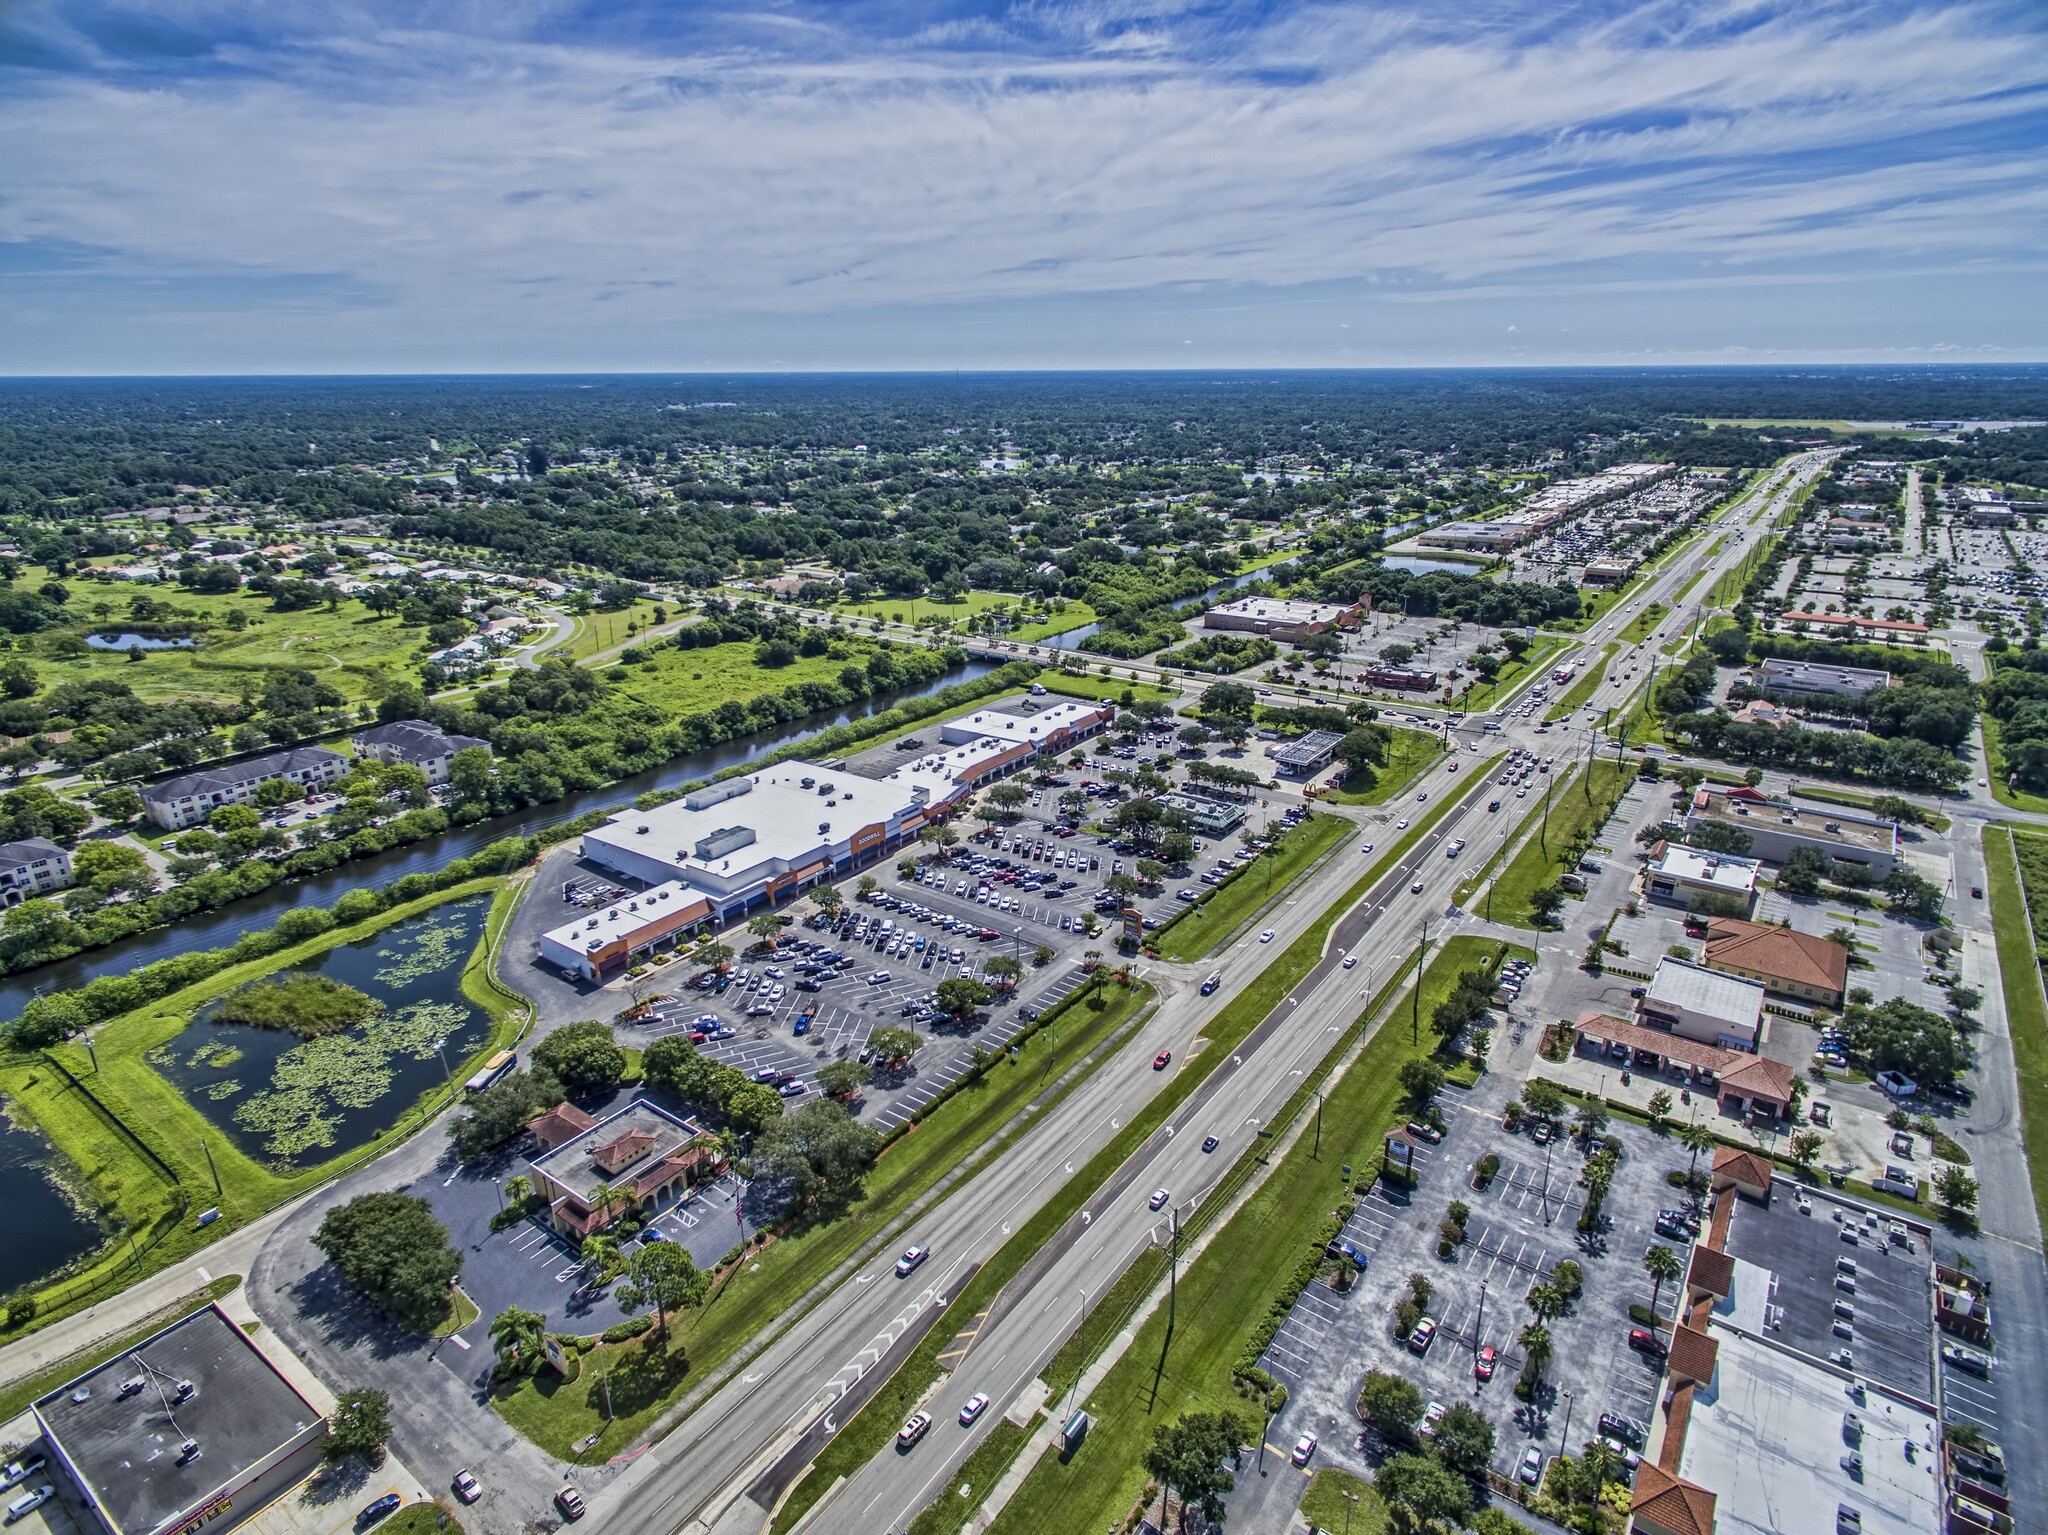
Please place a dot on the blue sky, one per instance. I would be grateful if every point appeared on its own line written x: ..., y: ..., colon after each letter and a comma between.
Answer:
x: 205, y: 186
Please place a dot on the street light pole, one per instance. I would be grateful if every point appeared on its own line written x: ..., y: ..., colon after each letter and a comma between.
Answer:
x: 1564, y: 1438
x: 1415, y: 1018
x: 1082, y: 1364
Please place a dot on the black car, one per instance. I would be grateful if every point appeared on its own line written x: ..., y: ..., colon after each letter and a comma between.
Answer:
x: 382, y: 1509
x: 1211, y: 1143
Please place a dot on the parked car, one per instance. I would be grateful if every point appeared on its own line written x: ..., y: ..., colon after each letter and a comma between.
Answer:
x: 373, y: 1512
x: 20, y: 1471
x: 1530, y: 1472
x: 28, y: 1502
x: 1644, y: 1340
x: 1304, y: 1448
x: 1420, y: 1339
x: 467, y: 1488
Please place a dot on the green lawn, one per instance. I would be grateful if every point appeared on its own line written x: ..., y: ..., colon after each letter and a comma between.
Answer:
x: 1601, y: 602
x: 1228, y: 909
x: 1038, y: 621
x: 1570, y: 813
x: 1409, y: 753
x: 350, y: 648
x: 692, y: 681
x: 868, y: 1431
x: 2000, y: 775
x: 1326, y: 1507
x: 1640, y: 626
x: 430, y: 1517
x: 597, y: 632
x: 2019, y: 971
x: 1225, y: 1292
x: 1515, y: 673
x: 135, y: 1191
x: 1586, y: 686
x: 1094, y: 685
x: 954, y: 1139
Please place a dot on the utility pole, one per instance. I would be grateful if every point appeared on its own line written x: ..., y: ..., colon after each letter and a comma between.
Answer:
x: 1083, y: 1364
x: 203, y: 1146
x: 1173, y: 1270
x: 1415, y: 1019
x: 1479, y: 1326
x: 1317, y: 1154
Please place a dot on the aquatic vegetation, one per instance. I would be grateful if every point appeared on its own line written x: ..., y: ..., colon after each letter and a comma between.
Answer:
x: 438, y: 943
x: 305, y: 1003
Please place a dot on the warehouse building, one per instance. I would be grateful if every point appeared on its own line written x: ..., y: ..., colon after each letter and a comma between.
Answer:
x: 1281, y: 619
x: 191, y: 1429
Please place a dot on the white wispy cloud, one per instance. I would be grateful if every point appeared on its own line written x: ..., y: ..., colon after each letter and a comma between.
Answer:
x: 486, y: 161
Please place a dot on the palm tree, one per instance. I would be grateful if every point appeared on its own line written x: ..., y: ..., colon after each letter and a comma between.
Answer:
x: 1696, y: 1138
x: 518, y: 1188
x: 1546, y: 1301
x: 1662, y: 1264
x: 516, y: 1334
x: 600, y: 1199
x: 1535, y: 1341
x: 601, y: 1256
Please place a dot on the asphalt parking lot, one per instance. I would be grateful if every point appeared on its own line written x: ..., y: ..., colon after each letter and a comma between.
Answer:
x: 527, y: 1264
x: 849, y: 1005
x: 1519, y: 1228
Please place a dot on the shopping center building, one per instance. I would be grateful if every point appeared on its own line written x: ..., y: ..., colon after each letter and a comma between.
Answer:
x: 730, y: 848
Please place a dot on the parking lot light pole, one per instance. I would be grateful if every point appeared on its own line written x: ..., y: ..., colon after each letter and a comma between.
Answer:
x: 1565, y: 1437
x: 1350, y: 1502
x: 1479, y: 1326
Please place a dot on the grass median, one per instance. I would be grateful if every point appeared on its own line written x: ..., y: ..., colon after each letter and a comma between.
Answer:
x: 959, y: 1136
x: 1574, y: 815
x: 984, y: 1468
x: 1229, y: 908
x: 2018, y: 870
x: 1583, y: 690
x: 1225, y: 1292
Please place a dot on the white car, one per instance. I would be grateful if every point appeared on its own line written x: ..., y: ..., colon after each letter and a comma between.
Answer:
x: 1266, y: 936
x: 1158, y: 1199
x: 1402, y: 824
x: 912, y: 1257
x: 1530, y: 1472
x: 1304, y: 1448
x: 1350, y: 960
x: 977, y: 1404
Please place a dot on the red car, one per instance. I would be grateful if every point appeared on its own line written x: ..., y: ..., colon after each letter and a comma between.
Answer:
x: 1159, y: 1061
x: 1645, y: 1341
x: 1483, y: 1365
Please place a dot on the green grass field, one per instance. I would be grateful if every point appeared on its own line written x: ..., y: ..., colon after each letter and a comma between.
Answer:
x: 598, y: 632
x: 692, y: 681
x: 1570, y: 813
x: 350, y: 648
x: 1327, y: 1507
x: 1409, y: 752
x: 1225, y: 1292
x: 1034, y: 623
x: 1229, y: 909
x: 954, y: 1139
x: 2010, y: 859
x: 1095, y: 685
x: 1586, y: 686
x: 1601, y: 602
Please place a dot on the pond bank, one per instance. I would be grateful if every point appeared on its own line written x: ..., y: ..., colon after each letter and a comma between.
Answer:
x: 154, y: 1160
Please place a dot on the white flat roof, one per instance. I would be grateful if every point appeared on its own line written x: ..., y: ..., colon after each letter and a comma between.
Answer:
x: 1283, y: 610
x: 784, y: 817
x: 1723, y: 871
x: 1768, y: 1441
x: 1711, y: 993
x: 1020, y: 729
x: 622, y: 918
